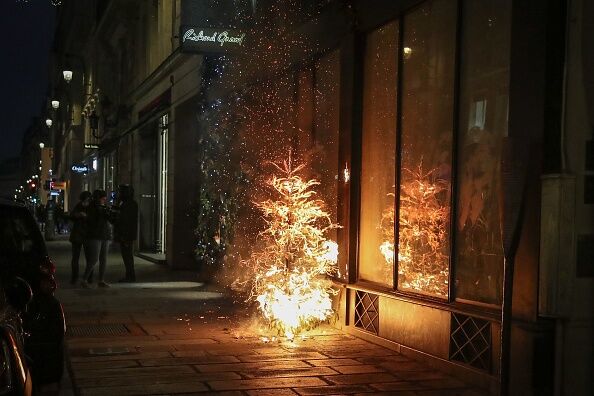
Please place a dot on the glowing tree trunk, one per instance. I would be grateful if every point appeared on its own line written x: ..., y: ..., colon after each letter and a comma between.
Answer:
x: 290, y: 282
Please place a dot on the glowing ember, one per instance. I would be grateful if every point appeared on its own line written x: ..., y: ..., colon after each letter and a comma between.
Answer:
x: 290, y: 281
x: 422, y: 249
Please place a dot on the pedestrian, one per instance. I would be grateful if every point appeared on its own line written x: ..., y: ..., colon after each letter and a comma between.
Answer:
x: 126, y: 229
x: 40, y: 213
x: 60, y: 218
x: 97, y: 239
x: 79, y: 231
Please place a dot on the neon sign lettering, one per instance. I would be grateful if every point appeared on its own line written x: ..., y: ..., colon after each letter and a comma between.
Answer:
x: 222, y: 38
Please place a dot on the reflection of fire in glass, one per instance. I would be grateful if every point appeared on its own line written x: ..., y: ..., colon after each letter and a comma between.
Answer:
x: 423, y: 233
x: 290, y: 283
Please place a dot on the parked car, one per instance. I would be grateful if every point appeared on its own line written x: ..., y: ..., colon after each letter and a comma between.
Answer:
x: 15, y: 377
x: 23, y: 254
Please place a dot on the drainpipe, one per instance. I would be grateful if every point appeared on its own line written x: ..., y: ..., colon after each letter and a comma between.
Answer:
x: 559, y: 321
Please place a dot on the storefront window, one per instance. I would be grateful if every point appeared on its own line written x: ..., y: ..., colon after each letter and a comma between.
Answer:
x: 326, y: 137
x: 376, y: 247
x: 429, y: 39
x: 483, y: 123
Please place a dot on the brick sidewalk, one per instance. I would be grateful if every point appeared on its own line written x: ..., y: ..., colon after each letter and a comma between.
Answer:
x: 178, y: 338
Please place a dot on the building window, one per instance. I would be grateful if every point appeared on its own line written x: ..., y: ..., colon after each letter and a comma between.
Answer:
x: 483, y: 124
x: 326, y: 135
x: 429, y: 38
x: 407, y: 173
x: 378, y: 172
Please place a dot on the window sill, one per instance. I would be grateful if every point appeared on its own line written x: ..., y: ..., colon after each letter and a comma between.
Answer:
x: 489, y: 313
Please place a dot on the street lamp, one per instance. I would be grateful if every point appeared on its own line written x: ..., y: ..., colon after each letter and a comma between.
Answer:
x: 55, y: 104
x: 41, y: 145
x: 67, y: 75
x: 48, y: 122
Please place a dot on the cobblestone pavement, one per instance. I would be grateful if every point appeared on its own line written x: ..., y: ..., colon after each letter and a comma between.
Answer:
x: 169, y: 334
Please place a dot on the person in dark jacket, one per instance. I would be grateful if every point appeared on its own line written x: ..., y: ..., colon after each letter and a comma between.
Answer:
x: 126, y: 229
x: 40, y: 214
x: 97, y: 243
x: 79, y: 231
x: 59, y: 218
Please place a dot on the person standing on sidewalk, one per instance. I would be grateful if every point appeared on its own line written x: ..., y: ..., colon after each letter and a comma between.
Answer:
x: 126, y: 229
x: 40, y: 213
x: 97, y: 242
x: 79, y: 231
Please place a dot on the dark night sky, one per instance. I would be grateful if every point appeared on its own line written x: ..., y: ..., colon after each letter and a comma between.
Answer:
x: 26, y: 34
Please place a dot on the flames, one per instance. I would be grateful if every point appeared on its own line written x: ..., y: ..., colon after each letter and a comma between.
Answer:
x: 290, y: 283
x: 423, y: 233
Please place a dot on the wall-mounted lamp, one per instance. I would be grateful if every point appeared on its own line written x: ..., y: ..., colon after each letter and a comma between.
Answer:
x: 407, y: 51
x: 101, y: 123
x: 41, y: 145
x: 67, y: 75
x: 49, y: 122
x: 55, y: 104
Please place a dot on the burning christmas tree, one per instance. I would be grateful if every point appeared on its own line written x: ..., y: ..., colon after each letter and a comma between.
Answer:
x: 290, y: 282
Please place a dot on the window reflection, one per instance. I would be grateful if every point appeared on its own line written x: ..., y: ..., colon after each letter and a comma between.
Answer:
x: 483, y: 123
x: 376, y: 250
x: 426, y: 155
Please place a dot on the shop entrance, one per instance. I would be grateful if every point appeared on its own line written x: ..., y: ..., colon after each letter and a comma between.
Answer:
x: 152, y: 186
x: 147, y: 189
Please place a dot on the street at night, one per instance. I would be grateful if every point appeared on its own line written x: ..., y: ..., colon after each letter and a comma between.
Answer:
x: 297, y: 197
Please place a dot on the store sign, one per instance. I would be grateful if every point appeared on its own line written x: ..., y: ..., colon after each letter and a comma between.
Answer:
x: 210, y: 40
x: 80, y: 168
x: 59, y: 185
x: 91, y: 146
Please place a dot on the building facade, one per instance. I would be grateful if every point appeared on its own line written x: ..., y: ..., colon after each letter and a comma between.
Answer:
x: 128, y: 84
x: 451, y: 139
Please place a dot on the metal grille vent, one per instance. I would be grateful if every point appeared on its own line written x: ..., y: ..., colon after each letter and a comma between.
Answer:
x: 97, y: 330
x: 367, y: 311
x: 470, y: 341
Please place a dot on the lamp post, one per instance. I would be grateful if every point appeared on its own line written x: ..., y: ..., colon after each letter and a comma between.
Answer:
x: 76, y: 91
x: 50, y: 205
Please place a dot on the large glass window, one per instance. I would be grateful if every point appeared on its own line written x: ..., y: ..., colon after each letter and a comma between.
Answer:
x: 429, y: 39
x: 376, y: 249
x: 326, y: 137
x: 483, y: 123
x: 419, y: 248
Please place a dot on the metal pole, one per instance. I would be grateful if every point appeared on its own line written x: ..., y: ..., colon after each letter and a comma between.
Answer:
x: 514, y: 159
x: 506, y: 317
